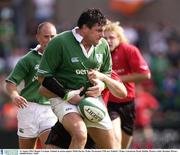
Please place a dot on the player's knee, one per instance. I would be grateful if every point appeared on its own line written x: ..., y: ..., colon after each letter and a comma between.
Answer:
x: 80, y: 136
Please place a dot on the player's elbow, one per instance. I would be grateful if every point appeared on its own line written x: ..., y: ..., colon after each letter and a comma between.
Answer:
x: 46, y: 93
x: 121, y: 91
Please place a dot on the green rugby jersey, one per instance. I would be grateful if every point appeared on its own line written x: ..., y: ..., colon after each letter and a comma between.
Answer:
x: 65, y: 60
x: 26, y: 69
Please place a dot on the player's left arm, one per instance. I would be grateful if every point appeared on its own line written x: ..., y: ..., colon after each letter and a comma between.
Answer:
x: 135, y: 77
x: 105, y: 68
x: 113, y: 83
x: 139, y: 67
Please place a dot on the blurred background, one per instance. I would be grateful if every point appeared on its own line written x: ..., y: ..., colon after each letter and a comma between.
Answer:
x: 152, y: 25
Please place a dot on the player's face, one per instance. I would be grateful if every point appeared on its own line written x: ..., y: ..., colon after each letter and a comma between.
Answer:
x: 112, y: 39
x: 45, y: 35
x: 94, y: 34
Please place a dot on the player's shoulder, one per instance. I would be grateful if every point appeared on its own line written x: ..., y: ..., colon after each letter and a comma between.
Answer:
x: 26, y: 56
x: 103, y: 42
x: 30, y: 55
x: 62, y: 37
x: 129, y: 46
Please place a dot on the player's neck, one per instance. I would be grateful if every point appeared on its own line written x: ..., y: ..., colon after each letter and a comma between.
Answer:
x: 41, y: 50
x: 86, y: 45
x: 85, y: 42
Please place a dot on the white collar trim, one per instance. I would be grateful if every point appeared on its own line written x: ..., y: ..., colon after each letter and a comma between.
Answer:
x: 79, y: 38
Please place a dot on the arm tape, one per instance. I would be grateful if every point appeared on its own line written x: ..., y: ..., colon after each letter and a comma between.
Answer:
x: 54, y: 86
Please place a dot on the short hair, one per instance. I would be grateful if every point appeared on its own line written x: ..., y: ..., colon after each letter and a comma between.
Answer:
x: 91, y: 17
x: 115, y: 27
x: 41, y: 25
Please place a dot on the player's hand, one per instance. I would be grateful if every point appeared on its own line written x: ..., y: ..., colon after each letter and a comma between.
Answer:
x: 74, y: 97
x: 19, y: 101
x: 94, y: 74
x: 95, y: 90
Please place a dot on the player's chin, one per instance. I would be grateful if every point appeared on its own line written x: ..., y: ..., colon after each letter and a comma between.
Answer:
x: 111, y: 48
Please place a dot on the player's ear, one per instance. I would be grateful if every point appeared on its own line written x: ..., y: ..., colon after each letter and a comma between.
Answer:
x: 85, y: 29
x: 37, y: 37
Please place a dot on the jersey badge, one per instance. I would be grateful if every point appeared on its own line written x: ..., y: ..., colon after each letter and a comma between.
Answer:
x: 99, y: 57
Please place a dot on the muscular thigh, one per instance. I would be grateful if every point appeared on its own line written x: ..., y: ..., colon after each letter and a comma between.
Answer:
x: 73, y: 123
x: 60, y: 138
x: 27, y: 143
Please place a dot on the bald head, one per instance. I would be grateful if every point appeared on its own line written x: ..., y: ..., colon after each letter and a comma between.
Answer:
x: 45, y: 25
x: 45, y: 32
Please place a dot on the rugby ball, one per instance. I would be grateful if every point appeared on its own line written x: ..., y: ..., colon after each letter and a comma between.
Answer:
x: 91, y: 109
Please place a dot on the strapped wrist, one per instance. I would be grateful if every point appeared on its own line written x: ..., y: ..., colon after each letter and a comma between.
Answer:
x: 70, y: 94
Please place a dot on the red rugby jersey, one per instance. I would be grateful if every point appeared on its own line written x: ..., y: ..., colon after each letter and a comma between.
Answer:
x: 127, y: 59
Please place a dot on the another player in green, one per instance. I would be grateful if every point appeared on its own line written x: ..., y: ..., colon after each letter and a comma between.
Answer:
x: 63, y: 70
x: 35, y: 117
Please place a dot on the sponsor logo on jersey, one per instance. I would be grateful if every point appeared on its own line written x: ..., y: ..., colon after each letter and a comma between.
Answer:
x: 81, y: 71
x: 74, y: 59
x: 99, y: 57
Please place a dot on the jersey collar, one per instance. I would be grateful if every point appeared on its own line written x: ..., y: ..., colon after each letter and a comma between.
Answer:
x: 79, y: 38
x: 37, y: 49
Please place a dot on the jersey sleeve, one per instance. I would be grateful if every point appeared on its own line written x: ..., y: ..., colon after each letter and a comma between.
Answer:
x: 136, y: 61
x: 19, y: 72
x: 106, y: 67
x: 50, y: 60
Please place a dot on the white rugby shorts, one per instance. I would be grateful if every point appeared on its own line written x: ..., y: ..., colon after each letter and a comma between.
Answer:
x: 34, y: 120
x: 61, y: 108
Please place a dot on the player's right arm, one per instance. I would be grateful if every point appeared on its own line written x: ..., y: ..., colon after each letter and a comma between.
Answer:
x: 18, y: 100
x: 14, y: 79
x: 52, y: 88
